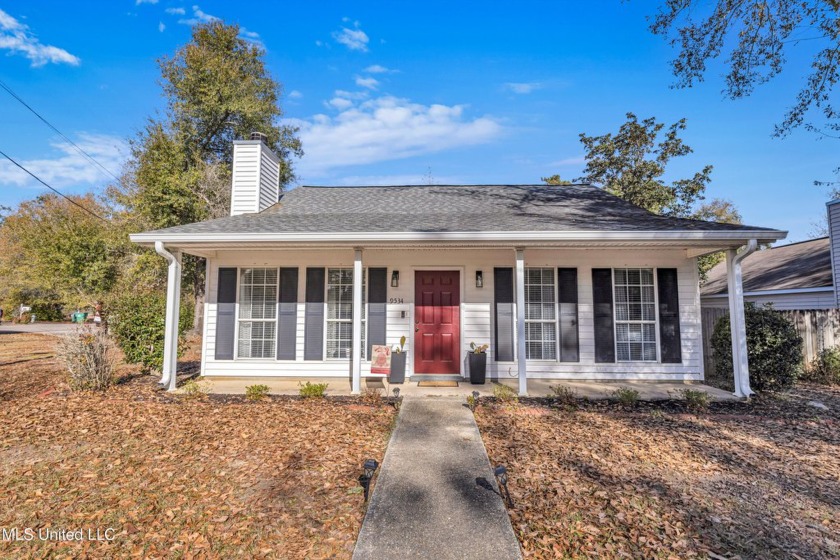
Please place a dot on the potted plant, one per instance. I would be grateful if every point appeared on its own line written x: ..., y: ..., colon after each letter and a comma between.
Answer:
x: 478, y: 363
x: 398, y: 354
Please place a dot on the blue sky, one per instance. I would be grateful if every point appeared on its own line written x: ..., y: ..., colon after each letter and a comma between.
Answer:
x: 387, y: 93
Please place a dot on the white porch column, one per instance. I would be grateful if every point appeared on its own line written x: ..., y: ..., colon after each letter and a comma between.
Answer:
x: 356, y: 356
x: 173, y: 310
x: 520, y: 321
x: 737, y: 320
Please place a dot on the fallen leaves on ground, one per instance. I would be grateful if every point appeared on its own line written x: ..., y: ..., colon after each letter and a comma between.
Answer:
x: 178, y: 478
x: 744, y: 480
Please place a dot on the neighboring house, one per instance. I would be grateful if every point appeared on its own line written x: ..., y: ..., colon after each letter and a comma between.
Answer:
x: 791, y: 277
x: 562, y: 282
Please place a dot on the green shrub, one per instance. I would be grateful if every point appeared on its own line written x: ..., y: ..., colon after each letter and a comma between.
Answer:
x: 256, y: 392
x: 825, y: 369
x: 505, y: 394
x: 87, y: 354
x: 696, y: 399
x: 313, y: 390
x: 774, y: 348
x: 137, y: 320
x: 626, y: 396
x: 192, y: 389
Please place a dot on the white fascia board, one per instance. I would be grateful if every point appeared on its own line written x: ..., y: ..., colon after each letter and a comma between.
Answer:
x: 759, y: 293
x: 730, y: 237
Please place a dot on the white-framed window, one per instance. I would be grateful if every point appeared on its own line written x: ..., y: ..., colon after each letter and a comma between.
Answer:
x: 540, y: 314
x: 257, y: 313
x: 635, y: 314
x: 340, y: 313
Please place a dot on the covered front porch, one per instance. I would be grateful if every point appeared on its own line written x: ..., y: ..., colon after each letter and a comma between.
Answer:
x: 478, y: 270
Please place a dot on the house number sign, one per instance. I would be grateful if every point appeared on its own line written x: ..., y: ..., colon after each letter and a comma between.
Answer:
x: 395, y: 300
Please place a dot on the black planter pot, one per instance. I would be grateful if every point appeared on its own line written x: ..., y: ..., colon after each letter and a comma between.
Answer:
x: 397, y: 374
x: 478, y: 368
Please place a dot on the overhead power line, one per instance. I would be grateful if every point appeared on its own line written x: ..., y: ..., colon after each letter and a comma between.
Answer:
x: 56, y: 191
x: 90, y: 159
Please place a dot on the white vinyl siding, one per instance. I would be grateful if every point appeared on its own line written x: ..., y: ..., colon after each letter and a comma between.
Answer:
x: 540, y: 314
x: 477, y: 318
x: 257, y: 313
x: 340, y: 313
x: 635, y: 314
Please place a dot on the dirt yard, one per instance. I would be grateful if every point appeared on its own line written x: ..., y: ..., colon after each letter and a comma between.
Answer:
x: 759, y: 480
x: 176, y: 478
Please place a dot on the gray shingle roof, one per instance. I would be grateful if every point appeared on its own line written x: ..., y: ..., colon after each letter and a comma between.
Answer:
x: 798, y: 265
x: 450, y: 208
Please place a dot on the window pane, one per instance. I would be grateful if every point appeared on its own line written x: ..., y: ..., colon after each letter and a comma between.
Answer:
x: 340, y: 313
x: 540, y: 305
x: 257, y: 312
x: 635, y: 314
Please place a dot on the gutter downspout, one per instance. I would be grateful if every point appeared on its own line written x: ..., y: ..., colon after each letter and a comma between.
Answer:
x: 737, y: 318
x: 173, y: 298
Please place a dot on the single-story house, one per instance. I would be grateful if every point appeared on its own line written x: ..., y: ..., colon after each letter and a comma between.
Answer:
x: 562, y: 282
x: 795, y: 276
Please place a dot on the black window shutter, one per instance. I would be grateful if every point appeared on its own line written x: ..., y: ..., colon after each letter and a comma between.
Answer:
x: 602, y: 301
x: 287, y: 314
x: 377, y: 310
x: 503, y: 294
x: 226, y: 314
x: 313, y: 339
x: 567, y: 297
x: 670, y: 345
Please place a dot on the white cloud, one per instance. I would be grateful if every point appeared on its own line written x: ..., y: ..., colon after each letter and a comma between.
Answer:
x: 357, y: 95
x: 175, y: 11
x: 161, y: 26
x: 353, y: 39
x: 523, y: 87
x: 68, y: 168
x: 146, y: 2
x: 386, y: 128
x: 16, y: 37
x: 378, y: 69
x: 198, y: 16
x: 339, y: 103
x: 370, y: 83
x: 294, y: 94
x: 576, y: 160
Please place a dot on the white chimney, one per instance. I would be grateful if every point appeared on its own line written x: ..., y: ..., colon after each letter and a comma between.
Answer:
x: 256, y: 176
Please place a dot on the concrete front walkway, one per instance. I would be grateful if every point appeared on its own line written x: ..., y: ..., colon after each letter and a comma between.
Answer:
x: 648, y: 390
x: 436, y: 496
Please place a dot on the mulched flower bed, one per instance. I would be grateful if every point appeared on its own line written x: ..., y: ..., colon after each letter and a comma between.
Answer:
x: 758, y: 479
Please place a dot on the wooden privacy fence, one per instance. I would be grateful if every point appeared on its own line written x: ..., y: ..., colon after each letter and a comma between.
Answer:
x: 819, y: 329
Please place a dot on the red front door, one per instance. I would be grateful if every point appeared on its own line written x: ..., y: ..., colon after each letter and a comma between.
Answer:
x: 437, y: 321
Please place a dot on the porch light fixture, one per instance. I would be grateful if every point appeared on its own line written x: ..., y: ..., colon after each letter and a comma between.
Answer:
x: 479, y: 279
x: 501, y: 475
x: 369, y: 467
x: 395, y: 279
